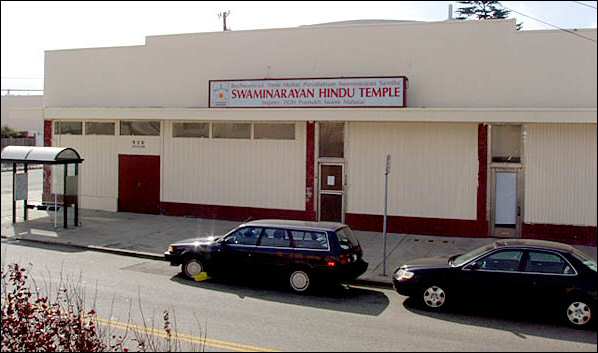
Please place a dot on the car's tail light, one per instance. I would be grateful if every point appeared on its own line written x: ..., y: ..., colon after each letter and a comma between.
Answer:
x: 345, y: 259
x: 331, y: 264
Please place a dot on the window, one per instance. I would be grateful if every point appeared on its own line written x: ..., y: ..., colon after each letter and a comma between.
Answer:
x: 244, y: 236
x: 310, y: 240
x: 231, y: 130
x: 277, y: 238
x: 586, y: 260
x: 191, y: 130
x: 68, y: 128
x: 543, y: 262
x: 506, y: 143
x: 502, y: 261
x: 140, y: 128
x: 346, y: 240
x: 331, y: 140
x: 93, y: 128
x: 465, y: 258
x: 274, y: 131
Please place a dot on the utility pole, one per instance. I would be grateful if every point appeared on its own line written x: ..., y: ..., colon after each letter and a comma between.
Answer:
x: 224, y: 15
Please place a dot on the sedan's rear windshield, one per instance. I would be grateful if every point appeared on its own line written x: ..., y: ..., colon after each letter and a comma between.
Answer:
x: 586, y: 260
x: 346, y: 239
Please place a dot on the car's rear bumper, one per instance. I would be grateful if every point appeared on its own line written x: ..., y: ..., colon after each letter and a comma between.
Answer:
x: 349, y: 272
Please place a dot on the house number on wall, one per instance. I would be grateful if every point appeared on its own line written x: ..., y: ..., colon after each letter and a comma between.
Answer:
x: 138, y: 144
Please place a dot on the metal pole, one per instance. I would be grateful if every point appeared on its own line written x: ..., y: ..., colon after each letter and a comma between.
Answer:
x: 64, y: 204
x: 385, y: 216
x: 384, y: 226
x: 25, y: 210
x: 14, y: 196
x: 76, y: 196
x: 55, y: 208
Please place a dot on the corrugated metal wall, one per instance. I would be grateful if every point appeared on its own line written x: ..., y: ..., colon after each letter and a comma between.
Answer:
x: 560, y: 176
x: 99, y: 171
x: 227, y: 172
x: 433, y: 171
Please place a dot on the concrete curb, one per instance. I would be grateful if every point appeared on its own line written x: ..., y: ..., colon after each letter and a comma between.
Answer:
x: 122, y: 252
x: 152, y: 256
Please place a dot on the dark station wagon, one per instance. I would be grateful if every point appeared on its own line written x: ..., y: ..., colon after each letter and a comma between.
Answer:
x: 517, y: 273
x: 303, y: 253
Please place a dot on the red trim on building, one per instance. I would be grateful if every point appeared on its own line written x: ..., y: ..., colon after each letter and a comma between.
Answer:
x: 482, y: 217
x: 574, y: 235
x: 438, y: 226
x: 47, y: 182
x: 310, y: 145
x: 417, y: 225
x: 231, y: 213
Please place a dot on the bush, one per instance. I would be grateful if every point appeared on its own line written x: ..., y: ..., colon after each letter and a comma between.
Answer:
x: 32, y: 322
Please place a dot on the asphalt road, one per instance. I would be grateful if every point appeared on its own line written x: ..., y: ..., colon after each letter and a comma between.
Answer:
x: 239, y: 316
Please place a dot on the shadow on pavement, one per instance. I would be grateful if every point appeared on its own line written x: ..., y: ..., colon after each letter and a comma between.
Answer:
x: 518, y: 322
x: 338, y: 298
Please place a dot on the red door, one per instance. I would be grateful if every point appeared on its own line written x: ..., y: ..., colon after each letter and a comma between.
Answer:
x: 139, y: 184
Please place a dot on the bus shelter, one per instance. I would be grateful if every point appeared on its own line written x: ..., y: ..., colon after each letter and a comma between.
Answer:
x: 56, y: 156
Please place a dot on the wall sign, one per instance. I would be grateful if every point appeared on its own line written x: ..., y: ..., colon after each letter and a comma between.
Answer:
x: 350, y: 92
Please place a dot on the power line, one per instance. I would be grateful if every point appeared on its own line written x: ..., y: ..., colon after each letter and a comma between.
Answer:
x: 584, y: 4
x: 551, y: 25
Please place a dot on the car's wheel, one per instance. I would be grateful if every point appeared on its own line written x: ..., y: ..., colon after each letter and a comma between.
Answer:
x: 578, y: 313
x: 434, y: 297
x: 300, y: 281
x: 192, y: 267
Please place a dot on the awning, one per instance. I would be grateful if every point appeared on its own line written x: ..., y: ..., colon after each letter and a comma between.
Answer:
x: 40, y: 155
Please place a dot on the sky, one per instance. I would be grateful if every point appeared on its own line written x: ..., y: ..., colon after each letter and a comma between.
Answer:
x: 29, y: 28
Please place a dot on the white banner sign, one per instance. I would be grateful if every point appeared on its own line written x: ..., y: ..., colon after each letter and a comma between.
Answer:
x: 309, y: 93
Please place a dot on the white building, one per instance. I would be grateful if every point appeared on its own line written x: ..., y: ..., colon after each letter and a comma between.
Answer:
x: 498, y: 135
x: 24, y: 113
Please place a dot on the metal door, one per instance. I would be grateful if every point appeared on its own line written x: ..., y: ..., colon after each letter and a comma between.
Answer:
x: 506, y: 202
x: 331, y: 195
x: 139, y: 184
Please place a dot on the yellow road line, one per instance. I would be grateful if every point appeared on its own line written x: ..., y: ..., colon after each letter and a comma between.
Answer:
x: 183, y: 337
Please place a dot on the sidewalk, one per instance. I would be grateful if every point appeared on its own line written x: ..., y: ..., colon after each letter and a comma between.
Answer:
x: 148, y: 236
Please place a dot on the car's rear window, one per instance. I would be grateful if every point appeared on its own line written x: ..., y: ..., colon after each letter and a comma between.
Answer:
x: 586, y: 260
x: 346, y: 239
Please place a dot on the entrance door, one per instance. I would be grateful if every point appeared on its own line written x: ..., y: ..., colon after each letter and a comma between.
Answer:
x: 331, y: 192
x: 139, y: 184
x: 506, y: 206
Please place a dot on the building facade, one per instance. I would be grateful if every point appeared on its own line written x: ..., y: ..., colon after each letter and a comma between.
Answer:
x: 497, y: 136
x: 24, y: 113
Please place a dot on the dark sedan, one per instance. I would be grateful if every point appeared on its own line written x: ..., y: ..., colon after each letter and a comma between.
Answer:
x: 303, y: 253
x: 532, y: 273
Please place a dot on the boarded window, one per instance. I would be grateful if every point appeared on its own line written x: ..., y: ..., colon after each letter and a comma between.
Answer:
x: 274, y: 131
x: 191, y: 130
x: 68, y: 128
x: 506, y: 143
x: 231, y: 130
x: 94, y: 128
x: 140, y: 128
x: 331, y: 140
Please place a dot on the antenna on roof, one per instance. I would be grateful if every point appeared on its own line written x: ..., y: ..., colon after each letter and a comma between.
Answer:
x: 224, y: 15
